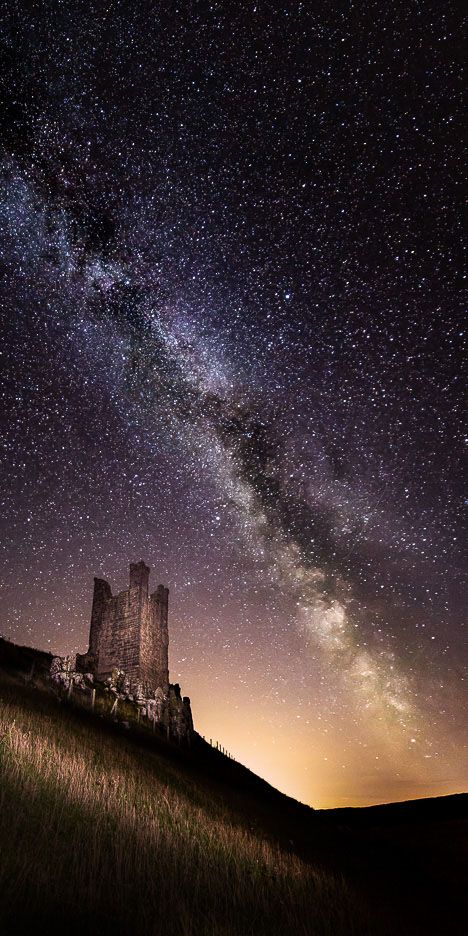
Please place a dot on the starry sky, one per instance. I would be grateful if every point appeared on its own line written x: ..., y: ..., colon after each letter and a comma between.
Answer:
x: 231, y: 291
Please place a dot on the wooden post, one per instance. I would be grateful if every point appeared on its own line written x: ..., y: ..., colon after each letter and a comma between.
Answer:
x: 93, y: 698
x: 70, y: 689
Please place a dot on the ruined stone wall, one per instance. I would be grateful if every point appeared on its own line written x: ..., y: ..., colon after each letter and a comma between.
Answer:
x: 163, y: 711
x: 101, y: 595
x: 119, y: 639
x: 154, y: 666
x: 129, y: 632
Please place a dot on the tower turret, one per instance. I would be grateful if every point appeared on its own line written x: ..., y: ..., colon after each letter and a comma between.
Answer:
x: 139, y: 577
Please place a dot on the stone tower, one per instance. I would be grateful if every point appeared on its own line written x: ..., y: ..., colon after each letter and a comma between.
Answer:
x: 129, y: 632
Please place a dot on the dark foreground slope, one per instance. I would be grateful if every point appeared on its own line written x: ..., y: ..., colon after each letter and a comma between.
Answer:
x: 106, y: 832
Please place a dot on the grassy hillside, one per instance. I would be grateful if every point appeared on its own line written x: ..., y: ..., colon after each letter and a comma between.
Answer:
x: 98, y: 835
x: 106, y: 832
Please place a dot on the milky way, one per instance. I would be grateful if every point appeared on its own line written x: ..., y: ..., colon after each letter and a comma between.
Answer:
x: 233, y: 344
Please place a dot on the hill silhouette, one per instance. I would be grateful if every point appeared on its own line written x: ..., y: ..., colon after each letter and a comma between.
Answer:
x: 110, y: 831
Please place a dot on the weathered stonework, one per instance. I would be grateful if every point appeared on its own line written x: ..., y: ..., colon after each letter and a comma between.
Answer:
x: 128, y: 655
x: 116, y: 698
x: 129, y: 632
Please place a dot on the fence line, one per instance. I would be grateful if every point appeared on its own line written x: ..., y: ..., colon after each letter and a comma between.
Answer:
x: 219, y: 747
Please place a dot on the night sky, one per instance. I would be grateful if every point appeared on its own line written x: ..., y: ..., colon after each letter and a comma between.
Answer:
x: 233, y: 348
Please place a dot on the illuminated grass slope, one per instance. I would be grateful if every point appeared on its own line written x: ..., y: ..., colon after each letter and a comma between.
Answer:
x: 108, y: 832
x: 97, y: 835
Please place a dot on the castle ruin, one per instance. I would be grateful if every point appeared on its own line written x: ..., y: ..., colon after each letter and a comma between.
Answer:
x: 129, y: 632
x: 128, y: 647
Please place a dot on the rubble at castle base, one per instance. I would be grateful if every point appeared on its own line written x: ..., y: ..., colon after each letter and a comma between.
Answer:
x: 118, y: 698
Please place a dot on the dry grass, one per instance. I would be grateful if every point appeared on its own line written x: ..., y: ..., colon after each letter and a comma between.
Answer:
x: 97, y: 836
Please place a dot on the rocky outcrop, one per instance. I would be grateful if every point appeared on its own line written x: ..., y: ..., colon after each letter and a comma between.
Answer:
x: 117, y: 697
